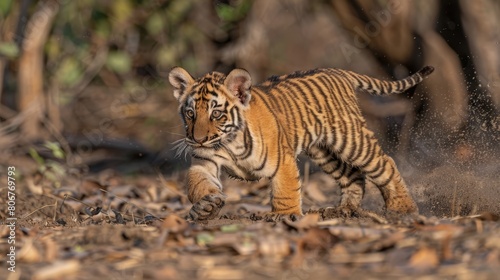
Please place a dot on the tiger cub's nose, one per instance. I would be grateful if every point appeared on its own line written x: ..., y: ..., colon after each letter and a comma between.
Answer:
x: 201, y: 139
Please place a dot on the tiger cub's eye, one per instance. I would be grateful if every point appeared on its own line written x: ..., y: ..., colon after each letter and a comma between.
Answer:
x: 190, y: 113
x: 216, y: 114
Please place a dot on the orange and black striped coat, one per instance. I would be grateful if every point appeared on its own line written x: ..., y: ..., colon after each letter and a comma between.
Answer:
x: 254, y: 132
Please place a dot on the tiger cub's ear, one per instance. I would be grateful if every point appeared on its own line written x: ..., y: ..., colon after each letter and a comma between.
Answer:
x: 238, y: 82
x: 179, y: 79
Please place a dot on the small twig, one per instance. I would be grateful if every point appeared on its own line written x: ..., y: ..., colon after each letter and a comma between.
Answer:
x: 38, y: 209
x: 55, y: 210
x: 465, y: 217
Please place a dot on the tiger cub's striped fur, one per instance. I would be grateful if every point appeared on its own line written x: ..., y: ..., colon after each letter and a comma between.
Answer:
x: 254, y: 132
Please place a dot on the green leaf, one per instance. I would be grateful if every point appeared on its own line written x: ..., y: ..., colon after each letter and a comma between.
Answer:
x: 55, y: 148
x: 204, y: 238
x: 56, y: 169
x: 34, y: 154
x: 230, y: 228
x: 52, y: 48
x: 229, y: 13
x: 9, y: 49
x: 166, y: 56
x: 69, y: 72
x: 102, y: 28
x: 155, y: 24
x: 177, y: 10
x: 119, y: 62
x: 122, y: 11
x: 5, y: 6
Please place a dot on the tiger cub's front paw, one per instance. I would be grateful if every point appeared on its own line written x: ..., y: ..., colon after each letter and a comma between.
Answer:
x: 207, y: 208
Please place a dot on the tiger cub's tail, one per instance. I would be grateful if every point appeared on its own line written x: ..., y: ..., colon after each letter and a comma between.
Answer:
x: 380, y: 87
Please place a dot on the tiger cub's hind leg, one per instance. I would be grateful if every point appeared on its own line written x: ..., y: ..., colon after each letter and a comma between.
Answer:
x: 350, y: 179
x: 382, y: 171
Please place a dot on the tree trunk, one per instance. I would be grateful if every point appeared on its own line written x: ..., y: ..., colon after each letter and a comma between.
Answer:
x: 30, y: 76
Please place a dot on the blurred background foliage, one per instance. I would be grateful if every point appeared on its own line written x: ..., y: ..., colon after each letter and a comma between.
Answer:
x: 91, y: 75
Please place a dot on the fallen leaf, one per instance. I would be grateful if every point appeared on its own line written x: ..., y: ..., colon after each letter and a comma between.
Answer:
x: 272, y: 245
x: 60, y: 270
x: 29, y: 253
x: 424, y: 259
x: 312, y: 190
x: 51, y: 248
x: 441, y: 231
x: 356, y: 233
x: 221, y: 273
x: 314, y: 239
x: 488, y: 216
x: 308, y: 221
x: 166, y: 272
x: 90, y: 187
x: 174, y: 224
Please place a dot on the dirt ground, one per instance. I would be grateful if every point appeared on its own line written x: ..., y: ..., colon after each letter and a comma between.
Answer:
x: 114, y: 226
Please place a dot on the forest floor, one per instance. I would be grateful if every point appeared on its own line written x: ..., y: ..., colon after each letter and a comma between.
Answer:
x: 112, y: 226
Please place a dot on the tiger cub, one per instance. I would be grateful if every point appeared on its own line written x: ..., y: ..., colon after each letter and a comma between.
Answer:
x: 257, y: 131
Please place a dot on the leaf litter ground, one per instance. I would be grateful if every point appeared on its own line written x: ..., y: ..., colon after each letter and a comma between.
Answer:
x: 110, y: 226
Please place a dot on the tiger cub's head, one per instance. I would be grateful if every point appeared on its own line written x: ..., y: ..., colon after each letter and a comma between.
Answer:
x: 211, y: 106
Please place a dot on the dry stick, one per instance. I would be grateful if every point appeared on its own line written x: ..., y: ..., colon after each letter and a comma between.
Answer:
x: 465, y: 217
x: 38, y: 209
x: 55, y: 210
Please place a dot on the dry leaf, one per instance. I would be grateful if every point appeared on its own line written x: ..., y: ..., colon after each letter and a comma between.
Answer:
x: 308, y: 221
x: 29, y: 253
x: 90, y: 187
x: 221, y: 273
x: 425, y: 258
x: 492, y: 242
x: 312, y: 190
x: 488, y: 216
x: 168, y: 272
x: 57, y: 270
x: 441, y: 231
x: 174, y: 224
x: 493, y: 258
x: 314, y: 239
x: 51, y: 248
x: 356, y: 233
x: 274, y: 246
